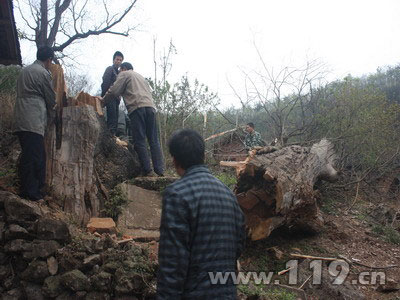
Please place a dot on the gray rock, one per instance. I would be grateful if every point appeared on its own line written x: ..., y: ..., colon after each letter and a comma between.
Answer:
x: 21, y: 211
x: 42, y: 249
x: 15, y: 231
x: 14, y: 294
x: 128, y: 282
x: 36, y: 272
x: 49, y: 229
x: 11, y: 283
x: 92, y: 260
x: 5, y: 271
x: 80, y: 295
x: 3, y: 257
x: 33, y: 291
x: 3, y: 196
x: 52, y: 286
x: 52, y: 265
x: 2, y: 226
x: 75, y: 280
x: 18, y: 245
x: 66, y: 296
x: 102, y: 281
x: 97, y: 296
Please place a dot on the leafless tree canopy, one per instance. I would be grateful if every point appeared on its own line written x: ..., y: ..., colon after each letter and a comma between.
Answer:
x: 60, y: 23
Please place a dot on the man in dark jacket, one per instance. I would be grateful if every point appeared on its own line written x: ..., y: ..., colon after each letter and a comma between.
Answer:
x: 35, y: 101
x: 109, y: 77
x: 202, y: 227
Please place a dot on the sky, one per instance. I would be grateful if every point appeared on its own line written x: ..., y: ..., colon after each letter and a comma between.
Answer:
x: 216, y: 39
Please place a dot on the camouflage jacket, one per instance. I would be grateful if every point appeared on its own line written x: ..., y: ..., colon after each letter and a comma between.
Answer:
x: 252, y: 140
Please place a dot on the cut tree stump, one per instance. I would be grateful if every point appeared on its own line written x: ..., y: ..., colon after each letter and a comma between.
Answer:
x: 276, y: 186
x: 87, y: 161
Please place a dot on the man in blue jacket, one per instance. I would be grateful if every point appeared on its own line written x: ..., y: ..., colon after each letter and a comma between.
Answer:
x: 202, y: 227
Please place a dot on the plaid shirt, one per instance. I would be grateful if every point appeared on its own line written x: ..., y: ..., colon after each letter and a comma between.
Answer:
x: 202, y: 230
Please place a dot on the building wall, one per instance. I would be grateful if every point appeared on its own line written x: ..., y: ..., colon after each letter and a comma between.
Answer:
x: 9, y: 45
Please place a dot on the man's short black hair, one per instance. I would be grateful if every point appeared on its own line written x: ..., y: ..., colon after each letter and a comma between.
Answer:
x: 251, y: 124
x: 118, y: 53
x: 187, y: 147
x: 44, y: 53
x: 126, y: 66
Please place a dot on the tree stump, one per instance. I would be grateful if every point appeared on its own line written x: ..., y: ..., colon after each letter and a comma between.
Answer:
x: 86, y: 162
x: 276, y: 186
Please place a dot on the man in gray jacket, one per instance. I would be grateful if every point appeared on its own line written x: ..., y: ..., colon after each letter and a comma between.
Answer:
x: 35, y: 102
x: 141, y: 110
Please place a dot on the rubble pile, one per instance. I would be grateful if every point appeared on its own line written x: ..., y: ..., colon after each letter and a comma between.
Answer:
x: 41, y: 259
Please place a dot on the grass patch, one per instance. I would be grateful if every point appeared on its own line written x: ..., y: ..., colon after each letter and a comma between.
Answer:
x: 113, y: 206
x: 387, y: 233
x: 228, y: 179
x: 251, y: 290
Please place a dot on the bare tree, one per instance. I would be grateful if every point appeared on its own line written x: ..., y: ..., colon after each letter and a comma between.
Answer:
x: 61, y: 23
x: 282, y: 94
x: 77, y: 83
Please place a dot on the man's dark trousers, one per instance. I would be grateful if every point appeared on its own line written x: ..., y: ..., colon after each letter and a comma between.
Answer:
x: 143, y: 124
x: 32, y: 166
x: 112, y: 115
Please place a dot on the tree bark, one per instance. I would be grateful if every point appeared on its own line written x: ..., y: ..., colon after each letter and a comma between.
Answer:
x: 88, y: 162
x: 276, y: 186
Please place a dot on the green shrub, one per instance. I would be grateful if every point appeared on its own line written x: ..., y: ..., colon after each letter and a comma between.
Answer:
x: 226, y: 178
x: 388, y: 233
x: 113, y: 206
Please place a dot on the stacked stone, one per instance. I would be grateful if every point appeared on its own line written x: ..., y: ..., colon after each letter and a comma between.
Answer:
x: 39, y: 260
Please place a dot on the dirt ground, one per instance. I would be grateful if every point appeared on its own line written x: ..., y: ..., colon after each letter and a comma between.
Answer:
x: 351, y: 233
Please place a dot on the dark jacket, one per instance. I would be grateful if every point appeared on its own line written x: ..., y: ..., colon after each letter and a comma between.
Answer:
x: 35, y: 98
x: 109, y: 77
x: 202, y: 230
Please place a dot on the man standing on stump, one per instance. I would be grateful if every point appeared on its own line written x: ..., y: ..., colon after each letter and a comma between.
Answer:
x: 112, y: 107
x: 137, y: 96
x: 35, y: 103
x: 202, y: 227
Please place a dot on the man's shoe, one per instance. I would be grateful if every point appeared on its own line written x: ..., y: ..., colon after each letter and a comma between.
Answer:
x: 150, y: 174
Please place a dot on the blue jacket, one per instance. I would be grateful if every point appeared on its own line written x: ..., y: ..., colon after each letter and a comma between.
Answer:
x: 202, y: 231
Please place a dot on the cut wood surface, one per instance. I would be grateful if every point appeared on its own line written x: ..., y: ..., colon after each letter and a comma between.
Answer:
x: 276, y: 186
x: 87, y: 160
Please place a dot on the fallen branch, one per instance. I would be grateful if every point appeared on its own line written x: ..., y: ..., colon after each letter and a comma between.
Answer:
x: 304, y: 283
x: 315, y: 257
x: 366, y: 266
x: 124, y: 241
x: 284, y: 271
x: 220, y: 134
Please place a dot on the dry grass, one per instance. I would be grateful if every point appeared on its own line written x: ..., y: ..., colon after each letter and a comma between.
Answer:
x: 7, y: 102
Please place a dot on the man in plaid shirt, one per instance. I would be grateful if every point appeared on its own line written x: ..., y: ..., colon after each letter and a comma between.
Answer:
x: 202, y: 227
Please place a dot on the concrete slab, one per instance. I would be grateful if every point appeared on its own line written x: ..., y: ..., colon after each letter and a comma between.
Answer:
x: 141, y: 217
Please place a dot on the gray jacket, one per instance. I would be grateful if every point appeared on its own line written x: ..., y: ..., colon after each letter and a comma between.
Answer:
x: 35, y: 97
x: 133, y: 88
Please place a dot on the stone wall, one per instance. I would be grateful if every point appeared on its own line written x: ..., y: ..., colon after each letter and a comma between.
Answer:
x: 41, y: 259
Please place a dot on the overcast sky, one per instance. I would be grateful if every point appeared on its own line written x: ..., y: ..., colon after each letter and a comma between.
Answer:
x: 215, y: 38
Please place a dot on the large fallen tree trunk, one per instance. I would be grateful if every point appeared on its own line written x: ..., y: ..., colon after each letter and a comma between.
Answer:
x: 276, y: 186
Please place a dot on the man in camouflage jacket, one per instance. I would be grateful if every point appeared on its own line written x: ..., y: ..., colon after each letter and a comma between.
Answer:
x: 253, y: 138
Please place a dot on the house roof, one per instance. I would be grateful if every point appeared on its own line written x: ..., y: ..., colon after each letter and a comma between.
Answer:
x: 10, y: 52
